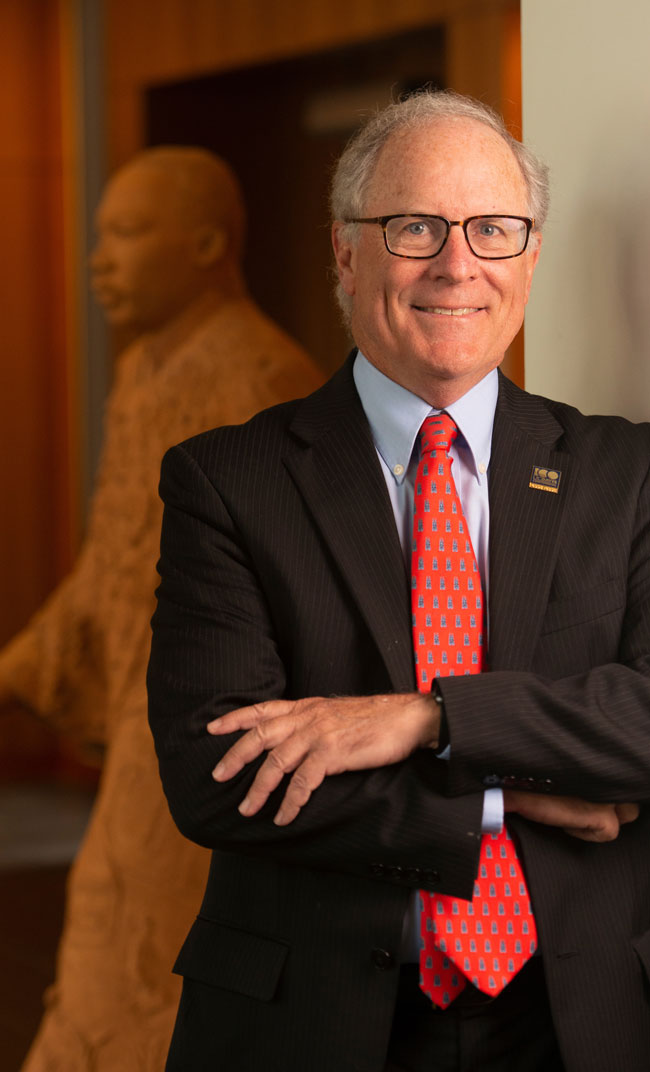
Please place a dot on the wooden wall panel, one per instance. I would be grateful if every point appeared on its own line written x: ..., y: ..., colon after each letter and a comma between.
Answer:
x: 155, y: 41
x: 161, y: 41
x: 38, y: 514
x: 147, y: 43
x: 34, y: 417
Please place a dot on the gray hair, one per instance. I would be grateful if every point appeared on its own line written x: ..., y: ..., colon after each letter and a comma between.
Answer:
x: 356, y: 166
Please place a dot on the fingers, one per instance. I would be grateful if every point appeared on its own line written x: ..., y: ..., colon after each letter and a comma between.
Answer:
x: 602, y: 825
x: 303, y: 737
x: 305, y: 780
x: 245, y: 718
x: 278, y: 763
x: 309, y: 772
x: 260, y: 738
x: 581, y: 819
x: 627, y: 813
x: 287, y: 750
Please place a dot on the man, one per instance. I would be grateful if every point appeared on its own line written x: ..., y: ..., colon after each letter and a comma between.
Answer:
x: 167, y: 269
x: 368, y: 908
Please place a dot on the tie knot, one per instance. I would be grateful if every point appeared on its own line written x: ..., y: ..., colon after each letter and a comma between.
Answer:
x: 437, y: 433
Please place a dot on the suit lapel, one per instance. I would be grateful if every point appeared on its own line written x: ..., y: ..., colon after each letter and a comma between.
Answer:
x: 350, y: 505
x: 525, y: 523
x: 334, y: 464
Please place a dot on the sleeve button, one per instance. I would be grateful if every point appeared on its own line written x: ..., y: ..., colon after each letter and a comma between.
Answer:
x: 382, y: 959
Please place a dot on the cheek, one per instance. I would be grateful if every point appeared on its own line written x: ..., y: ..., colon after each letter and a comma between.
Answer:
x: 153, y: 281
x: 134, y: 265
x: 151, y: 258
x: 387, y: 294
x: 512, y: 288
x: 375, y: 273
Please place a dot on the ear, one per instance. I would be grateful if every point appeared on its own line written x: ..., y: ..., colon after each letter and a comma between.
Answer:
x: 533, y: 257
x: 345, y: 252
x: 209, y: 244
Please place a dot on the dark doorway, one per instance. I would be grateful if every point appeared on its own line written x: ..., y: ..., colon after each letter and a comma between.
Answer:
x: 281, y: 127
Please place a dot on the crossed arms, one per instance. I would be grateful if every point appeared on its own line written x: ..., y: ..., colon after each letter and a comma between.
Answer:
x: 229, y: 608
x: 311, y: 739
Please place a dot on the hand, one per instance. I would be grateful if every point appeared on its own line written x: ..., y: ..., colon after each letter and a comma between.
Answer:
x: 579, y: 818
x: 315, y: 737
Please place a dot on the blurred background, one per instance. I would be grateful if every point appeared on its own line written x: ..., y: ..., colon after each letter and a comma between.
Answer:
x: 276, y: 88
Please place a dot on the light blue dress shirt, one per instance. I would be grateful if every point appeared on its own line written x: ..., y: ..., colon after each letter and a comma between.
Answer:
x: 395, y: 416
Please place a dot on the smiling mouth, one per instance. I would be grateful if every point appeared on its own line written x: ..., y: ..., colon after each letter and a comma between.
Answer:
x: 440, y: 310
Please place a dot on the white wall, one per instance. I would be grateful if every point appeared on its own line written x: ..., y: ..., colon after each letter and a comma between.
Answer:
x: 586, y: 103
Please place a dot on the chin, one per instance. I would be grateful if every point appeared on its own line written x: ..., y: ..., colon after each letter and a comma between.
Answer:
x: 121, y: 318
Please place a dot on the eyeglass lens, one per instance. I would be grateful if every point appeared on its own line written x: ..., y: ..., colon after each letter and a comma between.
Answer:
x: 424, y: 236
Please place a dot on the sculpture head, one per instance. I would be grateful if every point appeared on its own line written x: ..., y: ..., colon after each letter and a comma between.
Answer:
x: 170, y: 228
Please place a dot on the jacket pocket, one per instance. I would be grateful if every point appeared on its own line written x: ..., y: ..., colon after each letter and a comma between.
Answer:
x: 223, y: 956
x: 603, y: 599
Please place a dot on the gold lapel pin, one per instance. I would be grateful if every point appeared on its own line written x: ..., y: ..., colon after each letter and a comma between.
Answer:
x: 545, y: 479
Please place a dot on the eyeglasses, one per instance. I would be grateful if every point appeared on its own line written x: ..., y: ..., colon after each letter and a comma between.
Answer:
x: 414, y: 235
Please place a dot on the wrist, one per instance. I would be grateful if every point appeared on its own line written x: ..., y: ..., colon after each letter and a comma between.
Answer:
x: 443, y: 731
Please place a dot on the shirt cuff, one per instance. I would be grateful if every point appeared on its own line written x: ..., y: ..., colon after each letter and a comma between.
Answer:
x: 492, y: 822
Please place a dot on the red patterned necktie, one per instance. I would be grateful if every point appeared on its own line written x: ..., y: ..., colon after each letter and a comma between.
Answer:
x: 488, y: 939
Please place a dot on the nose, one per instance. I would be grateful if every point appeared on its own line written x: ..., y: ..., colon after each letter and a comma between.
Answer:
x: 99, y: 258
x: 455, y: 262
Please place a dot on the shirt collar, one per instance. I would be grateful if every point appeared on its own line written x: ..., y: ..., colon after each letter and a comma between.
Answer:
x: 395, y: 416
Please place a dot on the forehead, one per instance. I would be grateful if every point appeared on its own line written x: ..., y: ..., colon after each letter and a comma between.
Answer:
x: 456, y: 167
x: 140, y: 189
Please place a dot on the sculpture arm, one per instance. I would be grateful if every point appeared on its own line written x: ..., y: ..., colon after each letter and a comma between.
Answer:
x: 53, y: 665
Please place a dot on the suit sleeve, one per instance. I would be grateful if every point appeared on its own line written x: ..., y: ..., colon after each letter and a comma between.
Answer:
x: 584, y: 733
x: 215, y: 648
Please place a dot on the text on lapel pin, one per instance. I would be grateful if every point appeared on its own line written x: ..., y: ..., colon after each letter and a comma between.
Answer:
x: 545, y: 479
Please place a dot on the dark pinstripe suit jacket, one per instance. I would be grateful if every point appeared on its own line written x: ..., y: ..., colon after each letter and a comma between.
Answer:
x: 282, y: 575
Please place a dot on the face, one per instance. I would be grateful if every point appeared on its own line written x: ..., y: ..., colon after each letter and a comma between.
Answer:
x: 143, y: 266
x: 438, y: 326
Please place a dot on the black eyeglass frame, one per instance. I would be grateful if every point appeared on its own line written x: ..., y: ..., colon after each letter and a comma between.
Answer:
x: 383, y: 221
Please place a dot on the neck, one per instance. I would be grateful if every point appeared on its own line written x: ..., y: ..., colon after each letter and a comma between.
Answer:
x: 164, y: 339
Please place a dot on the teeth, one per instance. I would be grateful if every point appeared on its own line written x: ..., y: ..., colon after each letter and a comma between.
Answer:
x: 453, y: 312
